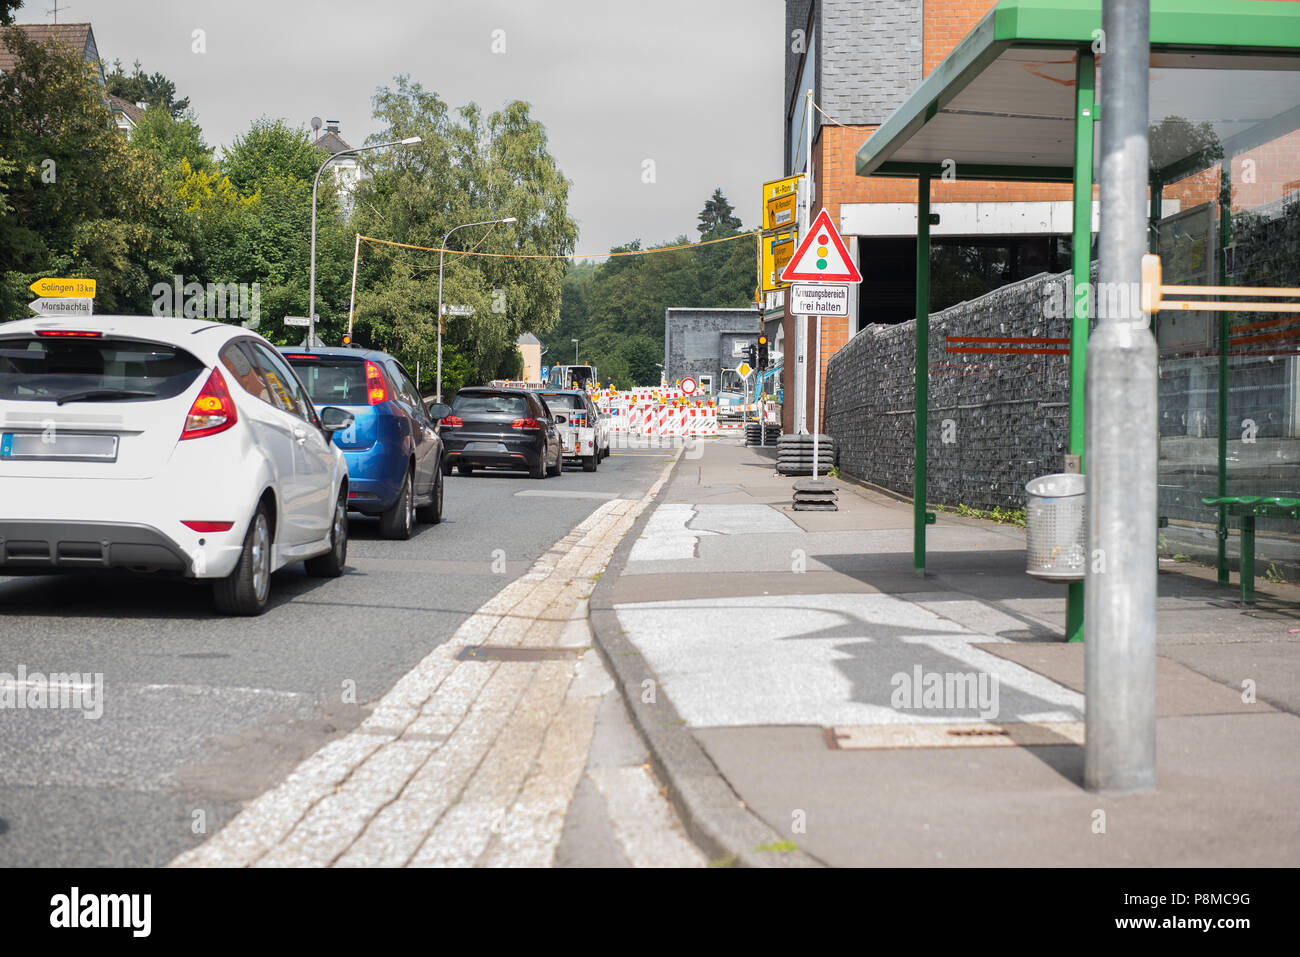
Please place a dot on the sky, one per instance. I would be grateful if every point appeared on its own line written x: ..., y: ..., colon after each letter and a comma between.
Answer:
x: 692, y: 85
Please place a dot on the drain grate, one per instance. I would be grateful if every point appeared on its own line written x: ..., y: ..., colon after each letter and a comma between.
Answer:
x: 954, y: 735
x: 515, y: 653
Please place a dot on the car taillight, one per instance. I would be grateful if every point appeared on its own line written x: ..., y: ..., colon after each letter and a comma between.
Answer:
x: 376, y: 388
x: 526, y: 424
x: 209, y: 526
x: 213, y: 410
x: 452, y: 422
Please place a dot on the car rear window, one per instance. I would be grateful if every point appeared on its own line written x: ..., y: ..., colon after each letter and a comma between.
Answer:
x: 40, y: 369
x: 490, y: 402
x: 564, y: 400
x: 332, y: 381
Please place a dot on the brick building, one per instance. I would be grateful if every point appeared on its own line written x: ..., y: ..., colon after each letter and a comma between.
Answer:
x: 862, y: 58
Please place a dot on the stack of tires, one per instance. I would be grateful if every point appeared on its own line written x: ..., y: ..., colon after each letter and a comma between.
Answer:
x: 758, y: 434
x: 794, y: 455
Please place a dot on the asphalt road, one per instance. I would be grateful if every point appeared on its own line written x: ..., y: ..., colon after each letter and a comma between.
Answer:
x: 202, y: 712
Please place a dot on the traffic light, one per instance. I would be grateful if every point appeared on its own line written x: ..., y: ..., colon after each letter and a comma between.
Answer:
x: 762, y: 353
x: 751, y: 355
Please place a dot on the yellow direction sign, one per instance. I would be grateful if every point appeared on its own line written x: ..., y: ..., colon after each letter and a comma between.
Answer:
x: 779, y: 198
x: 744, y: 370
x: 777, y: 248
x: 64, y: 288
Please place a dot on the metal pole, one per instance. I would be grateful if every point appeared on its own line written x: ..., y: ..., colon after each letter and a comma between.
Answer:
x: 922, y: 373
x: 311, y: 282
x: 1225, y: 236
x: 817, y: 394
x: 801, y: 322
x: 352, y: 303
x: 1120, y: 600
x: 441, y: 253
x: 1081, y: 273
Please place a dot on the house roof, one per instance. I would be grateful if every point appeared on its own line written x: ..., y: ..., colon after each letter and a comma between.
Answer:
x: 77, y: 36
x: 528, y: 339
x: 332, y: 143
x: 132, y: 112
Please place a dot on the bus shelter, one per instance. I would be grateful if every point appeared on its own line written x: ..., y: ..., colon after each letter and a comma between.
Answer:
x: 1021, y: 99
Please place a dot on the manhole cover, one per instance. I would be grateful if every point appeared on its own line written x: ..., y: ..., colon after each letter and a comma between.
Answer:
x: 514, y: 653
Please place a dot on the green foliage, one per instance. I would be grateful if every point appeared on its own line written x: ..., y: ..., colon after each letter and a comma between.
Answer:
x: 271, y: 150
x: 469, y: 168
x: 7, y: 10
x: 1004, y: 516
x: 173, y: 139
x: 80, y: 200
x: 1275, y: 574
x: 140, y: 87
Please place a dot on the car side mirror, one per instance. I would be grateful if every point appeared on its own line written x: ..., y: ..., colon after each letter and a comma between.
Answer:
x: 437, y: 410
x: 560, y: 419
x: 335, y: 420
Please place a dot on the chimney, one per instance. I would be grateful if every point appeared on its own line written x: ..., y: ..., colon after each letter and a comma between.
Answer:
x: 331, y: 126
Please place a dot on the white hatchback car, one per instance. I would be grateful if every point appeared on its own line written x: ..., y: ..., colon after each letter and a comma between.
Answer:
x: 171, y: 445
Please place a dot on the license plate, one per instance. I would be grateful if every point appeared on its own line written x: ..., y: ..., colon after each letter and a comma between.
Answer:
x: 56, y: 445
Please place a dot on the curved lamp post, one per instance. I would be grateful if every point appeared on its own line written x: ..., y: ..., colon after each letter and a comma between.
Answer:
x: 442, y: 249
x: 311, y: 285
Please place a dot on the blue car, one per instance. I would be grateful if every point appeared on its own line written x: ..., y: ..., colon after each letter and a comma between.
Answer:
x: 393, y: 451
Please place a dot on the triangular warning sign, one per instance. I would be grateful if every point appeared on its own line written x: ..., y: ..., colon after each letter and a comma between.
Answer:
x: 821, y: 256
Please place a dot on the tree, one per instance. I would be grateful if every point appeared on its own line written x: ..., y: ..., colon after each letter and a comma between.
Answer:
x: 82, y: 200
x: 7, y: 10
x: 140, y: 87
x: 716, y: 219
x: 173, y: 139
x: 469, y: 167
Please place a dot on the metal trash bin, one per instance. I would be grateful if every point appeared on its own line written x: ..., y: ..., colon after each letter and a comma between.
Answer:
x: 1056, y: 532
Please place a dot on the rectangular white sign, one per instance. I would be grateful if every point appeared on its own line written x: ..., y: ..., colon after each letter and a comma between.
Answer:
x: 297, y: 321
x: 819, y: 300
x: 62, y: 307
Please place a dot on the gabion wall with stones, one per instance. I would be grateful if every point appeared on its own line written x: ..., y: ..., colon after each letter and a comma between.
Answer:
x: 995, y: 421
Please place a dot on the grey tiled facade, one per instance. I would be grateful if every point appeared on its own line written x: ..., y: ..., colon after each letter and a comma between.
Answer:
x: 868, y: 56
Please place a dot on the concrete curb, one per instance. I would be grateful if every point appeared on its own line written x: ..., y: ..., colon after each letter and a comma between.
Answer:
x: 713, y: 814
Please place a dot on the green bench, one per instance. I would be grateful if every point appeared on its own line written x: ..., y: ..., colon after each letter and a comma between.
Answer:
x: 1247, y: 508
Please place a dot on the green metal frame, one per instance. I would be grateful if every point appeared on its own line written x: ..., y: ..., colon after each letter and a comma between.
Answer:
x: 921, y: 410
x: 1239, y: 26
x: 1085, y: 110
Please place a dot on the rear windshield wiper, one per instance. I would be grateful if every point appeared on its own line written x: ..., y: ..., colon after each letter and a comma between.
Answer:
x: 93, y: 395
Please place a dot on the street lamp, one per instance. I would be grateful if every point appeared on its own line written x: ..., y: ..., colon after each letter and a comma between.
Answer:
x: 575, y: 351
x: 442, y: 249
x: 311, y: 285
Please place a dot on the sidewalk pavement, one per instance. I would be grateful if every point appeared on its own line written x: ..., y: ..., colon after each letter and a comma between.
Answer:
x: 786, y: 669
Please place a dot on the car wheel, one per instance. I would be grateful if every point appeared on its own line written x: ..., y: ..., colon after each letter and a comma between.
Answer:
x: 590, y: 462
x: 559, y: 462
x: 464, y: 468
x: 446, y: 466
x: 399, y: 521
x: 245, y: 590
x: 431, y: 514
x: 330, y: 565
x: 541, y: 469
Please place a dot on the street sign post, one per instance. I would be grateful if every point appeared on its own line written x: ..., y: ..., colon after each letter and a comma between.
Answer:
x: 62, y: 307
x: 744, y: 369
x: 689, y: 386
x: 64, y: 288
x: 821, y: 257
x: 817, y: 299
